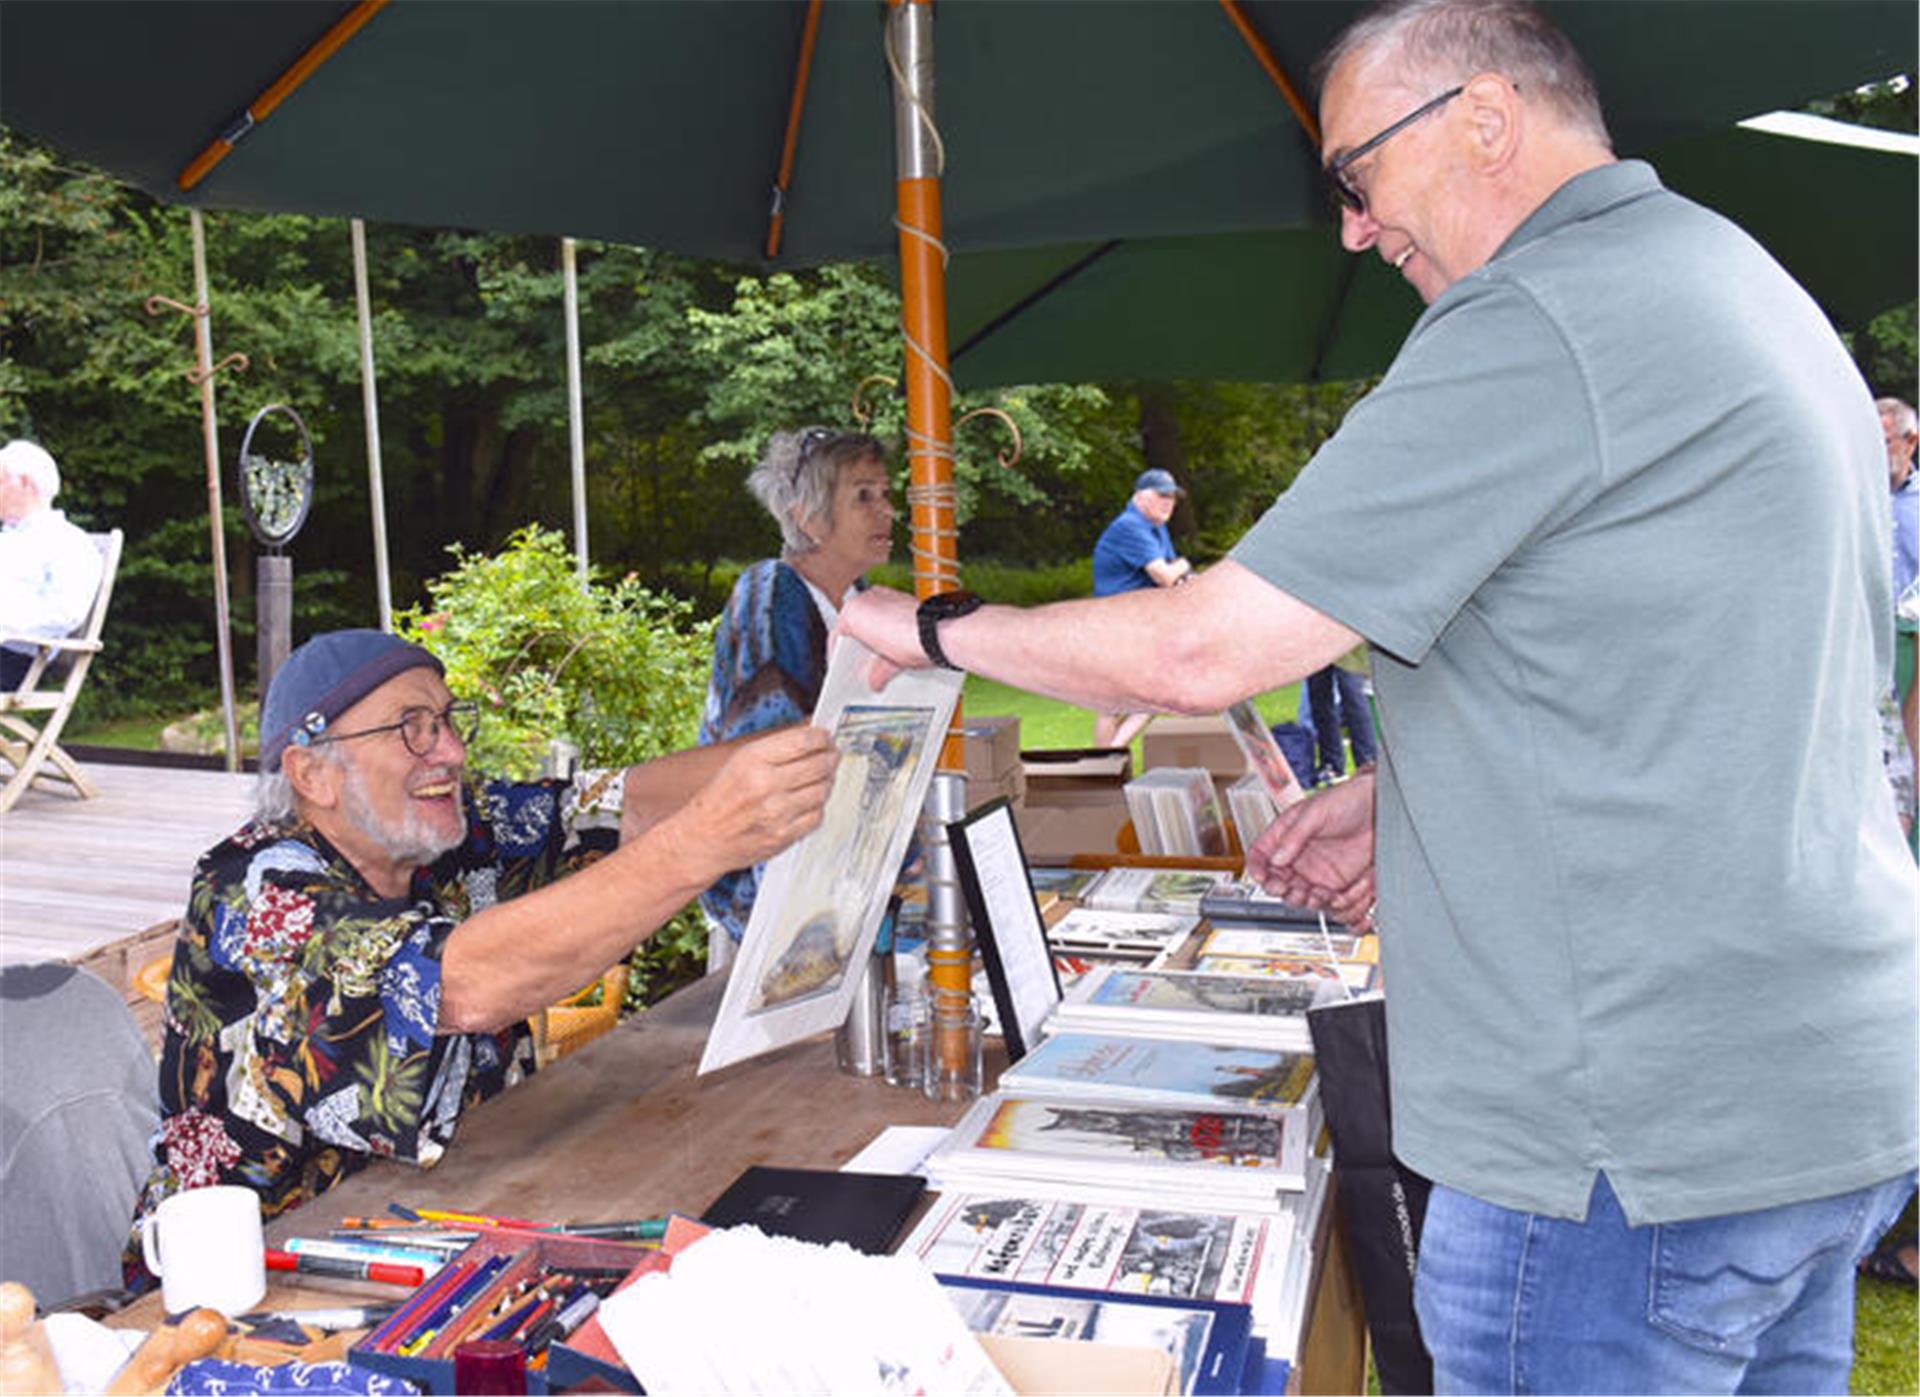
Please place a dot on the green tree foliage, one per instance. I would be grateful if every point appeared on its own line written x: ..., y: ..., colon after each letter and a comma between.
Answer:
x: 613, y: 668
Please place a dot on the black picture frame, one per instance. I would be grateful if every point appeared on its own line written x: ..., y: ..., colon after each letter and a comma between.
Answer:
x: 1007, y: 925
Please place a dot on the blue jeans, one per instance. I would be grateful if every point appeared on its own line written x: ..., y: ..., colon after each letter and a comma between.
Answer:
x: 1338, y: 698
x: 1749, y: 1302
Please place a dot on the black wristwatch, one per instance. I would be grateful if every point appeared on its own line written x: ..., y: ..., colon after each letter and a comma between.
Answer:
x: 943, y: 606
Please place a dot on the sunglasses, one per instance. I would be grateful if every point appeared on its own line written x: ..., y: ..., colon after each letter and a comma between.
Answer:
x: 812, y: 440
x: 1344, y: 189
x: 419, y: 728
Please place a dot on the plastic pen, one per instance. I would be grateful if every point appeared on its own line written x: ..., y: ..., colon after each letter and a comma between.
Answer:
x: 385, y: 1272
x: 430, y: 1258
x: 330, y: 1320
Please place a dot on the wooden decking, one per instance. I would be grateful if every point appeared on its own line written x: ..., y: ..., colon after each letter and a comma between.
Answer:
x: 100, y: 881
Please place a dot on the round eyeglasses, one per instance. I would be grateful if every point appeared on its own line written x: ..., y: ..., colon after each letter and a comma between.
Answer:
x: 419, y: 728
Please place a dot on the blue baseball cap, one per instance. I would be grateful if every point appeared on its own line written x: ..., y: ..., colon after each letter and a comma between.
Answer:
x: 324, y: 678
x: 1159, y: 481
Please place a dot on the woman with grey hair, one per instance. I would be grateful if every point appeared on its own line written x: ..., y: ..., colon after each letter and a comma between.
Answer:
x: 832, y: 497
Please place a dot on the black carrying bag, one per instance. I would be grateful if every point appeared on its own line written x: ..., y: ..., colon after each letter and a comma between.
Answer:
x: 1384, y: 1201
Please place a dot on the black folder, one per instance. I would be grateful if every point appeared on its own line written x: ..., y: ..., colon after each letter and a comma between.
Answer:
x: 865, y: 1211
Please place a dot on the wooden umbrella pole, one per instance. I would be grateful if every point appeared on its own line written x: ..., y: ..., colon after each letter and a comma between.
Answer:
x: 930, y: 497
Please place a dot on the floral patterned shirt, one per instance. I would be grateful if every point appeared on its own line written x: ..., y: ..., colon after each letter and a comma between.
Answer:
x: 302, y: 1007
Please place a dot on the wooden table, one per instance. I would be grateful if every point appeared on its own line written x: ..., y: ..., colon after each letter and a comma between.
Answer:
x: 623, y: 1129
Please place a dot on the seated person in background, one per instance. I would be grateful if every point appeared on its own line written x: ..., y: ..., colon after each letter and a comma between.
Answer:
x: 1134, y: 553
x: 356, y: 962
x: 831, y: 495
x: 49, y: 568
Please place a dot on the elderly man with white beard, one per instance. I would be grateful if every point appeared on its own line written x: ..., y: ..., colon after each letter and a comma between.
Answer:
x: 357, y: 961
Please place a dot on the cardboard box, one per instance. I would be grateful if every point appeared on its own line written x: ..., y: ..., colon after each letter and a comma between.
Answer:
x: 992, y: 748
x: 1203, y: 742
x: 1012, y: 784
x: 1075, y: 803
x: 1053, y: 1367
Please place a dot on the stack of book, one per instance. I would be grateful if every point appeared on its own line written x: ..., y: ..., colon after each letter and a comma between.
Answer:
x: 1133, y: 1166
x: 1175, y: 810
x: 1291, y: 954
x: 1194, y: 1006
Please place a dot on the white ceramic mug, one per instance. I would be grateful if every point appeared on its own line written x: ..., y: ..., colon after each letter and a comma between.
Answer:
x: 206, y: 1247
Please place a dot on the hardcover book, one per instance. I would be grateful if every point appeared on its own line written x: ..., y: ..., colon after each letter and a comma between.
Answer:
x: 865, y: 1211
x: 1243, y: 900
x: 1256, y: 942
x: 1137, y: 1249
x: 1153, y: 890
x: 1248, y: 1156
x: 1245, y: 1009
x: 1165, y: 1072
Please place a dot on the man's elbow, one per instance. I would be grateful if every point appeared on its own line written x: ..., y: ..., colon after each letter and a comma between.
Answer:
x: 469, y: 1009
x: 1188, y: 673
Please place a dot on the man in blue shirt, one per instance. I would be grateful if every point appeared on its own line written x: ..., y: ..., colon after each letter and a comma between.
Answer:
x: 1135, y: 552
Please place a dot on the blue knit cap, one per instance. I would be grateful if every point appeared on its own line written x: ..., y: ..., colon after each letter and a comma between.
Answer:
x: 324, y: 678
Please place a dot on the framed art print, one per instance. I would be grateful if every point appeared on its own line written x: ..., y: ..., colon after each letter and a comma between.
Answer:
x: 822, y: 898
x: 1007, y: 925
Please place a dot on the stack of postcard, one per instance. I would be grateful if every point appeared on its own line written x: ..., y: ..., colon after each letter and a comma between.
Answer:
x: 1251, y: 807
x: 1175, y: 810
x: 1152, y: 890
x: 1244, y: 1010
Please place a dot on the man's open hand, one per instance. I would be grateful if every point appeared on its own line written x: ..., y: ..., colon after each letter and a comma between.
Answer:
x: 1319, y: 853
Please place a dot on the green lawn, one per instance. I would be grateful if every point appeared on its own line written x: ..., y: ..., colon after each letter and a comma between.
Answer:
x: 1045, y: 723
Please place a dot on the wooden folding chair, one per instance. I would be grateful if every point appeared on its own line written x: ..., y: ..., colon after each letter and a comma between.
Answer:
x: 52, y: 684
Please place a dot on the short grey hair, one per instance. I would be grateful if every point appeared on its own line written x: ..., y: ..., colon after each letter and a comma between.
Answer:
x: 795, y: 480
x: 1901, y: 411
x: 274, y: 800
x: 1439, y: 43
x: 29, y: 461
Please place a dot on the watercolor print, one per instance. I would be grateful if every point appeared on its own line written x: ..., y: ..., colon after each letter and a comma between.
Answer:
x: 816, y: 932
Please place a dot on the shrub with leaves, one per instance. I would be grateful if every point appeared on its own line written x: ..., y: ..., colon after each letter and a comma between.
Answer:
x: 615, y: 669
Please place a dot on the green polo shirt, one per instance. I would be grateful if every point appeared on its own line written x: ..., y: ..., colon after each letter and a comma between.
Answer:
x: 1614, y: 524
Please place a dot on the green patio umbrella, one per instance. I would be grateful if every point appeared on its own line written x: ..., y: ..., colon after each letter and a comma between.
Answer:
x: 660, y: 122
x: 1834, y: 203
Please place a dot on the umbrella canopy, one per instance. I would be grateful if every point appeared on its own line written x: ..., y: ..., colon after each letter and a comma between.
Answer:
x: 660, y: 123
x: 1834, y: 203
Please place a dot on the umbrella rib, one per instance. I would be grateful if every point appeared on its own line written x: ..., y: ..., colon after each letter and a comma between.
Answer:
x: 1020, y: 307
x: 1324, y: 340
x: 1271, y: 65
x: 796, y: 104
x: 282, y: 87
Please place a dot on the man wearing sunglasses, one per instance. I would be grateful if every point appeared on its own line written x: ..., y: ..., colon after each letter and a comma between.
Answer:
x: 1614, y: 527
x: 357, y: 962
